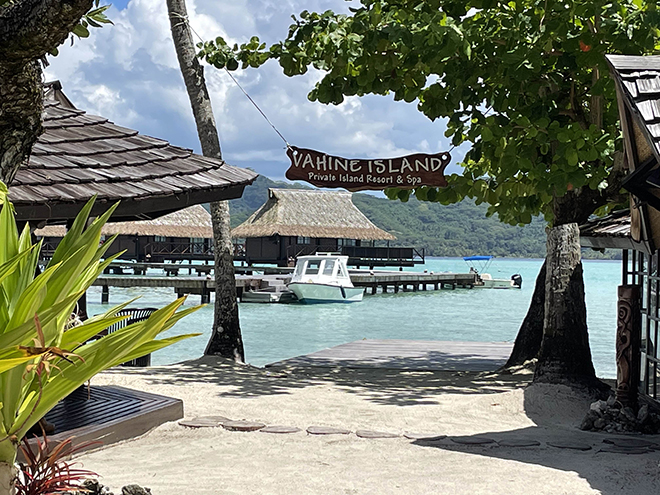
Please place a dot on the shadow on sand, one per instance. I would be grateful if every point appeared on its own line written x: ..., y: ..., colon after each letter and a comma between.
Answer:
x: 382, y: 386
x: 556, y: 415
x: 609, y: 473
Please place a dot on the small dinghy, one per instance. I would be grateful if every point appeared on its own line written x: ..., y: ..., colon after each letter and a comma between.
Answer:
x: 323, y: 278
x: 485, y: 279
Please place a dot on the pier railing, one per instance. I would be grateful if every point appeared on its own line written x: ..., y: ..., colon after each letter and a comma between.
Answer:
x: 178, y: 250
x: 365, y: 255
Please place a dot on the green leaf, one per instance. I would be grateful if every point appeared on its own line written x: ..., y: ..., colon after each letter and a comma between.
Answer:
x: 81, y: 31
x: 572, y: 156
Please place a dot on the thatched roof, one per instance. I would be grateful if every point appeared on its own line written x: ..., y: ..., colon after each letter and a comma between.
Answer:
x: 310, y: 213
x: 80, y: 155
x: 193, y: 221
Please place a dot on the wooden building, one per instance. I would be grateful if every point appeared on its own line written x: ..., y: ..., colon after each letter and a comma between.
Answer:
x: 296, y: 222
x: 183, y: 235
x: 79, y: 156
x: 636, y: 232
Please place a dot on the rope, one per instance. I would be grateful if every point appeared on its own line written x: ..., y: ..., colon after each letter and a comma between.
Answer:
x: 257, y: 107
x: 185, y: 21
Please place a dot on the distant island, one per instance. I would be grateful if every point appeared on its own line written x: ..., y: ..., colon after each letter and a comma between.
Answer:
x: 461, y: 229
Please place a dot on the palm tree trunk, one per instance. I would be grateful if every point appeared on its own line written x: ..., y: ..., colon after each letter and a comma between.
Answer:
x: 226, y: 337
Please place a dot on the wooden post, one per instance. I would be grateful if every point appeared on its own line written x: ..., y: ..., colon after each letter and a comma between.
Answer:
x: 396, y: 288
x: 628, y: 335
x: 374, y: 289
x: 82, y: 307
x: 105, y: 294
x: 206, y: 296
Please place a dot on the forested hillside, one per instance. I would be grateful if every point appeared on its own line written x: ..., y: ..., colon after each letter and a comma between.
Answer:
x: 455, y: 230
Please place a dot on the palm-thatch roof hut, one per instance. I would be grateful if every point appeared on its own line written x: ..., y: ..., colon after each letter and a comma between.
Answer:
x: 296, y: 222
x: 310, y: 213
x: 184, y: 234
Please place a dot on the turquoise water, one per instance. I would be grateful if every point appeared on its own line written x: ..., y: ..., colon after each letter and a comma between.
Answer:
x: 275, y: 332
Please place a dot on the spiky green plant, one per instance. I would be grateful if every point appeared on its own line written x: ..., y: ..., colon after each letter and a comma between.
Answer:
x: 40, y: 361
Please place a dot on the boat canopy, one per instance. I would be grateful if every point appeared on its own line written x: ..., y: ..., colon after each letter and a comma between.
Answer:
x: 477, y: 258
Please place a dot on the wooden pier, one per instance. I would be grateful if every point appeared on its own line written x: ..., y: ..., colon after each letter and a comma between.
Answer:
x: 428, y: 355
x: 173, y: 269
x: 410, y: 281
x: 373, y: 282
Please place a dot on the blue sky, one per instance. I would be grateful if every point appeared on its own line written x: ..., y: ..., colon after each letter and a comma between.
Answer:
x: 128, y: 72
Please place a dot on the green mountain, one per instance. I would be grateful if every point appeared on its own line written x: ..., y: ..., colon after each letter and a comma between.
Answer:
x: 461, y: 229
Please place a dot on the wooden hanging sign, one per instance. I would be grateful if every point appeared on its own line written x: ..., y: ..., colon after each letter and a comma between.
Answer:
x: 323, y: 170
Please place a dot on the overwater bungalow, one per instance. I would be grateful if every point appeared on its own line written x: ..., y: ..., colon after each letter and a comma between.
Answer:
x: 297, y: 222
x: 183, y: 235
x: 636, y: 231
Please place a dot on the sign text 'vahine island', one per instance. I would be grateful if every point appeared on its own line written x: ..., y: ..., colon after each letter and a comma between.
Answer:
x: 323, y: 170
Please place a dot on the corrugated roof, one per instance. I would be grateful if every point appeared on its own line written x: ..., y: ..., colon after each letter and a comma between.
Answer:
x: 80, y: 155
x: 193, y: 221
x: 310, y: 213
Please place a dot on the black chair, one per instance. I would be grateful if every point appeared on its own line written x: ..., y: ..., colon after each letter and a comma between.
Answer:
x: 135, y: 315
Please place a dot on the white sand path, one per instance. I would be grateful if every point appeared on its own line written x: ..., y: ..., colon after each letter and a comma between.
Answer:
x: 173, y: 460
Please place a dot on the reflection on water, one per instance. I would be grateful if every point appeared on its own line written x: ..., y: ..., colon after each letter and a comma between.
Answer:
x: 275, y: 332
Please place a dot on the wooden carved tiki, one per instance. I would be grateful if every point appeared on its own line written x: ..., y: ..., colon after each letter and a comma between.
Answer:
x: 628, y: 335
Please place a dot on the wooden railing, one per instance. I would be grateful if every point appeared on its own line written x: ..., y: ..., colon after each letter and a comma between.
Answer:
x: 378, y: 254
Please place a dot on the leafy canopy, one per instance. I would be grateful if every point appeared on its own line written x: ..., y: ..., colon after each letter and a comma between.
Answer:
x: 524, y: 82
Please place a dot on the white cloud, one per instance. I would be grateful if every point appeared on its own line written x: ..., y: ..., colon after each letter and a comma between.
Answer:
x: 129, y: 73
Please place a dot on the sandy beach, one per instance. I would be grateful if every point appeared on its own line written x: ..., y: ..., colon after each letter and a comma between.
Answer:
x: 175, y: 460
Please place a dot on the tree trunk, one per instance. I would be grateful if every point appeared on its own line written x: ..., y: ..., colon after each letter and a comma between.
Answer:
x: 28, y: 30
x: 7, y: 478
x: 565, y: 356
x: 8, y: 449
x: 530, y: 335
x: 21, y: 103
x: 226, y: 337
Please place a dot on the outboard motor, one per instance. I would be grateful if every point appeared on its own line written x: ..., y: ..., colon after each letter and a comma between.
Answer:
x: 517, y: 280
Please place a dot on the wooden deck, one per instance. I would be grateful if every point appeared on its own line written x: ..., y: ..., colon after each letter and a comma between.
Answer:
x: 372, y: 281
x: 111, y: 414
x: 432, y: 355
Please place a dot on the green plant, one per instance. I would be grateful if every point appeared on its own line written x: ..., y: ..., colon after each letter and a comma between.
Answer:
x: 40, y: 361
x: 48, y: 471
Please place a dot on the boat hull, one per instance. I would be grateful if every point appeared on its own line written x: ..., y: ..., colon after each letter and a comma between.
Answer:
x: 498, y: 284
x: 323, y: 293
x: 268, y: 297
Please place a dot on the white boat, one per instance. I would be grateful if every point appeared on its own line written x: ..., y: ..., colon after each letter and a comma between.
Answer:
x: 323, y: 278
x: 485, y: 279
